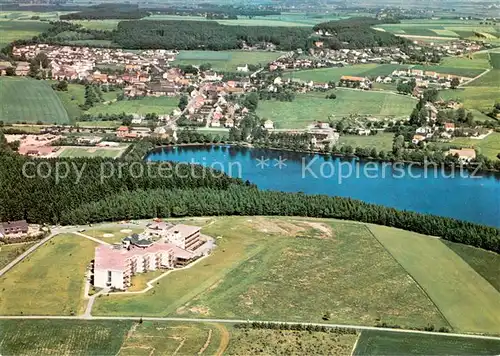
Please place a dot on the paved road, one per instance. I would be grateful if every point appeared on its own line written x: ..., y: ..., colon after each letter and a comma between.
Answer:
x: 232, y: 321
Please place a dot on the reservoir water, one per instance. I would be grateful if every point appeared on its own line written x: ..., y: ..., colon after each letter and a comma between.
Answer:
x: 434, y: 190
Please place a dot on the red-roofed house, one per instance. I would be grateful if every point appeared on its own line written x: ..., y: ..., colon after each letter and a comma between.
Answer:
x: 122, y: 131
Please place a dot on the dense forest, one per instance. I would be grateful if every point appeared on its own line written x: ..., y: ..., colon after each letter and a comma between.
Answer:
x: 241, y: 200
x: 67, y: 183
x: 185, y: 35
x: 108, y: 11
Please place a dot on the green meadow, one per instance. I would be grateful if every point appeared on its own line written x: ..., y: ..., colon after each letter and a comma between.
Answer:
x: 311, y: 107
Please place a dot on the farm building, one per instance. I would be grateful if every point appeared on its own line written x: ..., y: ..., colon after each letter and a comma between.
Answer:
x: 13, y: 227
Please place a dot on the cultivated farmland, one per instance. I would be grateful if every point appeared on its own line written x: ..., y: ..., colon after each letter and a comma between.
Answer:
x: 62, y: 337
x: 55, y: 286
x: 310, y: 107
x: 29, y: 100
x: 392, y: 343
x: 495, y: 60
x: 465, y: 299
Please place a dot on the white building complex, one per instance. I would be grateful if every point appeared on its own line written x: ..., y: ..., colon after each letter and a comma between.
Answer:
x: 161, y: 246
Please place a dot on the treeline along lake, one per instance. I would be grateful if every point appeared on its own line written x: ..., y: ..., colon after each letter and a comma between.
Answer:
x: 459, y: 194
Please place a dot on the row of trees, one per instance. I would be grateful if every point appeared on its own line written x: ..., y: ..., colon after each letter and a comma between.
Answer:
x: 241, y: 200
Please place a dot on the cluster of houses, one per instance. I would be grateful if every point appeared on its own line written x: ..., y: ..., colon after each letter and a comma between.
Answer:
x: 423, y: 78
x: 161, y: 246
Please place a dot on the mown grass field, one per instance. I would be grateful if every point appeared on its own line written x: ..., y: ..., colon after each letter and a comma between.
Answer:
x: 77, y: 151
x: 287, y: 342
x: 29, y: 100
x: 393, y: 343
x: 381, y: 141
x: 226, y: 61
x: 160, y: 338
x: 62, y: 337
x: 466, y: 300
x: 486, y: 263
x: 161, y: 106
x: 347, y: 273
x: 310, y: 107
x: 10, y: 252
x: 488, y: 146
x: 50, y: 281
x: 11, y: 30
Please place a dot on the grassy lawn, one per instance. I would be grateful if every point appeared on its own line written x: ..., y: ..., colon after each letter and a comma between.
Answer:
x: 479, y: 98
x: 29, y: 100
x: 50, y: 281
x: 489, y: 146
x: 160, y: 105
x: 310, y: 107
x: 12, y: 30
x: 393, y: 343
x: 10, y: 252
x: 382, y: 141
x: 77, y: 151
x: 466, y: 299
x: 347, y: 273
x: 287, y: 342
x: 486, y: 263
x: 226, y: 61
x: 62, y: 337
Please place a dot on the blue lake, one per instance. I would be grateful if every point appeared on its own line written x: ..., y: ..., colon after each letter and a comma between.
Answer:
x: 457, y: 194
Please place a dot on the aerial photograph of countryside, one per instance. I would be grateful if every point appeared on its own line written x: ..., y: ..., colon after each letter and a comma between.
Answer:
x: 316, y: 177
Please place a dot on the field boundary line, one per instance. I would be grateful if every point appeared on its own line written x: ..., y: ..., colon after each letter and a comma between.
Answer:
x: 356, y: 344
x: 409, y: 274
